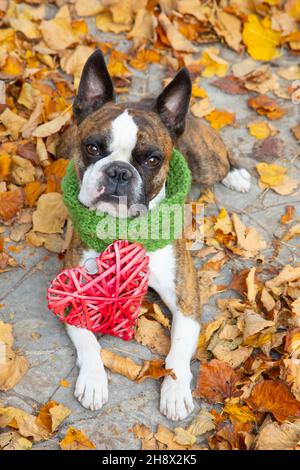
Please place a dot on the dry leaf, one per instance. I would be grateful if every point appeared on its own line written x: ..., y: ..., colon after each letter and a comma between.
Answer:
x: 254, y: 323
x: 247, y: 238
x: 14, y: 441
x: 274, y: 397
x: 50, y: 215
x: 10, y: 203
x: 12, y: 365
x: 151, y: 334
x: 177, y: 40
x: 239, y: 412
x: 213, y: 63
x: 261, y: 129
x: 217, y: 381
x: 146, y: 435
x: 274, y: 436
x: 76, y: 440
x: 220, y: 118
x: 202, y: 107
x: 202, y: 423
x: 22, y: 170
x: 13, y: 123
x: 266, y: 106
x: 252, y: 287
x: 260, y: 39
x: 88, y: 7
x: 51, y: 415
x: 58, y: 33
x: 104, y: 22
x: 51, y: 127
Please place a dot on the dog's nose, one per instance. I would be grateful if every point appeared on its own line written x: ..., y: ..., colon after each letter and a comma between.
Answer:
x: 119, y: 173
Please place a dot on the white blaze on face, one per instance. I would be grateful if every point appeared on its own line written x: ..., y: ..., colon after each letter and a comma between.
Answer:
x: 123, y: 137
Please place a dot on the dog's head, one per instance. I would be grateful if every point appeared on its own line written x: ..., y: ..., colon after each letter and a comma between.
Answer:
x: 122, y: 151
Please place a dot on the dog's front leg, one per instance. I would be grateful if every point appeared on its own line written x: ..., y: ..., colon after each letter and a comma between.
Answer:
x: 91, y: 387
x: 173, y: 276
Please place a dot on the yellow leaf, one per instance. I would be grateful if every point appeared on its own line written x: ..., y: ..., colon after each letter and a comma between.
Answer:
x: 213, y: 64
x: 50, y: 214
x: 220, y: 118
x: 13, y: 123
x: 239, y: 412
x: 105, y: 23
x: 76, y: 440
x: 198, y: 92
x: 270, y: 174
x: 202, y: 107
x: 261, y: 129
x: 260, y: 39
x: 51, y: 127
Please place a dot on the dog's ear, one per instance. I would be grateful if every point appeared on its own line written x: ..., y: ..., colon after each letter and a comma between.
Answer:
x: 173, y: 102
x: 95, y: 87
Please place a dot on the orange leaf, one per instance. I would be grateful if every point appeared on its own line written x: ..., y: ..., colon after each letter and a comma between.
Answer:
x: 220, y: 118
x: 33, y: 191
x: 266, y: 106
x: 274, y: 397
x: 217, y: 381
x: 76, y: 440
x: 10, y: 203
x: 5, y: 162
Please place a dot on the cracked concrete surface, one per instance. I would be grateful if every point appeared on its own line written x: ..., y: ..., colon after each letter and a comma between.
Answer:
x: 50, y: 351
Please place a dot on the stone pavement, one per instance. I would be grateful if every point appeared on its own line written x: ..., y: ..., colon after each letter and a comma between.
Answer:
x: 49, y: 350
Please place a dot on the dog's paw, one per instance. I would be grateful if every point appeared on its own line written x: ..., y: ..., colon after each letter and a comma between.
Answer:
x: 176, y: 400
x: 238, y: 180
x: 91, y: 387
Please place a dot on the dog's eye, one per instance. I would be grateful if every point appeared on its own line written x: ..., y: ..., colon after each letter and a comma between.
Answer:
x: 92, y: 150
x: 152, y: 161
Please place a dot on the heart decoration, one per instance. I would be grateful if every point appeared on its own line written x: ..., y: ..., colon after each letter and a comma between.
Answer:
x: 108, y: 301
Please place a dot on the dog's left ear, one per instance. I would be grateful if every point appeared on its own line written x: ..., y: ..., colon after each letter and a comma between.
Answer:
x: 95, y: 87
x: 173, y: 103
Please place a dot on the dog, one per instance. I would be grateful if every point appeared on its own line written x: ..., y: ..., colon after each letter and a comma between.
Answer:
x: 124, y: 149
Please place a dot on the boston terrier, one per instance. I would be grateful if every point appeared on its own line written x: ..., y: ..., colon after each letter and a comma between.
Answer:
x: 124, y: 149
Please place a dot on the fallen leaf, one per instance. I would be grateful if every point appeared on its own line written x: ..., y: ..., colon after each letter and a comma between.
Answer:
x: 252, y: 288
x: 76, y: 440
x: 12, y: 365
x: 254, y: 323
x: 51, y: 127
x: 88, y: 8
x: 50, y: 215
x: 239, y: 412
x: 13, y: 122
x: 143, y: 30
x: 217, y: 381
x: 14, y: 441
x: 274, y: 397
x: 266, y: 106
x: 202, y: 423
x: 261, y: 129
x: 10, y: 203
x: 154, y: 370
x: 58, y: 33
x: 260, y: 39
x: 213, y: 63
x: 104, y: 22
x: 151, y: 334
x: 202, y: 107
x: 296, y: 131
x: 290, y: 73
x: 294, y: 231
x: 145, y: 434
x: 33, y: 190
x: 5, y: 161
x: 18, y: 232
x: 247, y: 238
x: 230, y: 84
x: 51, y: 415
x: 220, y: 118
x: 275, y: 436
x: 177, y: 40
x: 22, y: 170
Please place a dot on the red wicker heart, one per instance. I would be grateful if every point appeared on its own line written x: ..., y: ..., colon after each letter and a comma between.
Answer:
x: 109, y: 301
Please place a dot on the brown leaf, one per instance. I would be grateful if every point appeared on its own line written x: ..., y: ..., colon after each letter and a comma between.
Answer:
x: 266, y: 106
x: 177, y: 40
x: 51, y: 415
x: 230, y: 84
x: 145, y: 434
x: 76, y: 440
x: 121, y: 365
x: 217, y: 381
x: 151, y: 334
x: 274, y: 397
x: 274, y: 436
x: 50, y: 215
x: 10, y: 203
x: 154, y: 370
x: 296, y: 131
x: 269, y: 149
x: 12, y: 365
x: 14, y: 441
x: 51, y: 127
x: 248, y: 238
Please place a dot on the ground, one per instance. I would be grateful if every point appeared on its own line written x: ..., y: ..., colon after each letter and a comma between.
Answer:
x: 49, y: 350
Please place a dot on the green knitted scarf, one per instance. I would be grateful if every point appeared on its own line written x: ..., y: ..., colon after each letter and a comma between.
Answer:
x: 157, y: 228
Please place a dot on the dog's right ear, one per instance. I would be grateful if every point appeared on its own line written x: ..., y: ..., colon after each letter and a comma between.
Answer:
x: 95, y: 87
